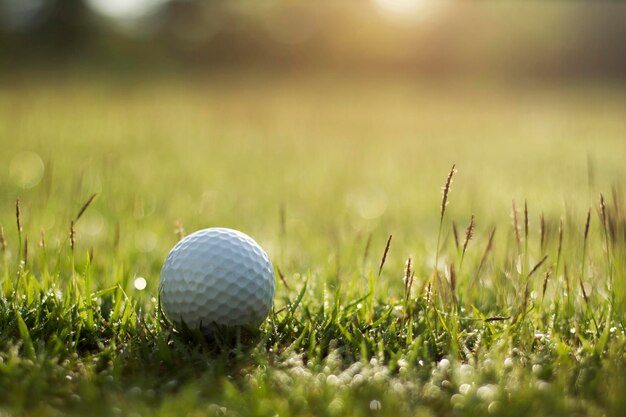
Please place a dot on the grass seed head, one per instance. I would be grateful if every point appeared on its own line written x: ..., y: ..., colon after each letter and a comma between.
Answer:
x: 179, y: 230
x: 518, y: 239
x: 72, y: 236
x: 446, y: 189
x: 384, y: 258
x: 469, y: 233
x: 18, y: 217
x: 409, y: 276
x: 603, y: 211
x: 407, y: 269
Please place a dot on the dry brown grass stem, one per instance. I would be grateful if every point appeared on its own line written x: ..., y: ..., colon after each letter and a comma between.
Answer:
x: 527, y: 286
x: 282, y: 277
x: 42, y: 239
x: 546, y: 278
x: 525, y: 222
x: 469, y: 233
x: 384, y: 258
x: 605, y: 222
x: 587, y: 222
x: 526, y: 296
x: 3, y: 242
x: 444, y: 203
x: 582, y: 288
x: 483, y: 259
x: 366, y: 252
x: 560, y: 247
x: 72, y: 236
x: 455, y: 300
x: 25, y: 252
x: 518, y: 239
x: 589, y: 310
x: 497, y: 318
x: 18, y: 217
x: 18, y: 221
x: 536, y: 267
x: 409, y: 286
x: 542, y: 233
x: 455, y: 233
x: 603, y: 211
x: 84, y: 207
x: 586, y: 236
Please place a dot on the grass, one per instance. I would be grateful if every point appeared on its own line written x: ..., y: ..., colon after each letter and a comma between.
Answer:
x: 524, y: 315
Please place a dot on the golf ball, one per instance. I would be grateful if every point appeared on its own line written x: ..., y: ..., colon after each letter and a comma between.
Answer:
x: 217, y: 276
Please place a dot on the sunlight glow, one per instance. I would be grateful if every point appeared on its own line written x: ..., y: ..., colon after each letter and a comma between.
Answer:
x: 400, y: 6
x: 409, y: 11
x: 125, y: 9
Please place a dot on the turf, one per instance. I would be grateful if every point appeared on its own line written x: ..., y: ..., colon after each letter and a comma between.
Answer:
x: 526, y: 317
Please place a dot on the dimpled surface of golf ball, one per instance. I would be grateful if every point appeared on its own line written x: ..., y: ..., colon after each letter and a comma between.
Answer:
x: 217, y: 276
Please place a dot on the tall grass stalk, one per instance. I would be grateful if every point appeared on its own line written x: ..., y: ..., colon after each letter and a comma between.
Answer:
x: 444, y: 202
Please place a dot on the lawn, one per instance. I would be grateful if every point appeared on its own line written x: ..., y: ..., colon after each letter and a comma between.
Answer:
x: 385, y: 305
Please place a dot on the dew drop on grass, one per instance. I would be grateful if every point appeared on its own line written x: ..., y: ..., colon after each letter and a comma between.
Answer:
x: 375, y: 405
x: 508, y: 363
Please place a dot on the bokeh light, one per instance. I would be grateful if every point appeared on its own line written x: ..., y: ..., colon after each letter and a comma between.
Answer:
x: 408, y: 11
x: 140, y: 283
x: 26, y: 169
x: 125, y: 9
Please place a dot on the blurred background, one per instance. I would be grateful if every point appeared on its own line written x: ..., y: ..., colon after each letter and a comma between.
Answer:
x: 310, y: 125
x: 561, y: 40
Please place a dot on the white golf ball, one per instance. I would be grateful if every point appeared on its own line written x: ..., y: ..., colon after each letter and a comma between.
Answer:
x: 217, y: 276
